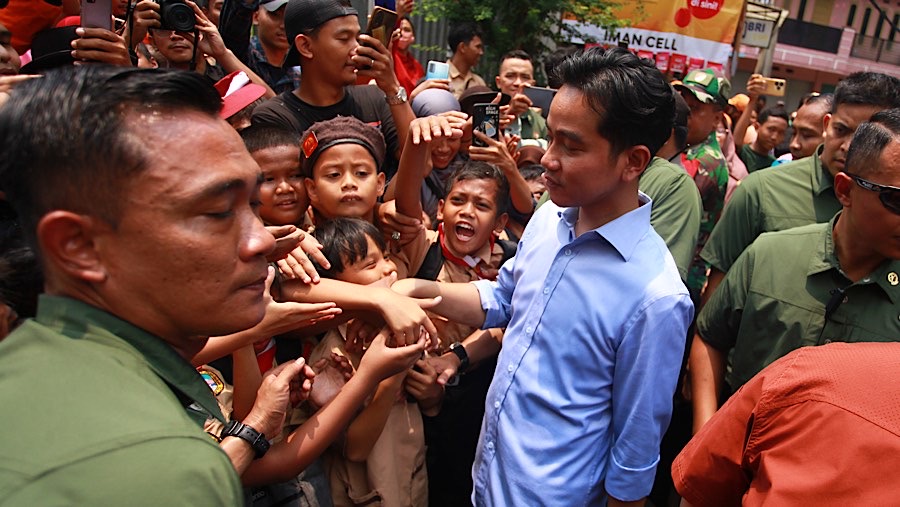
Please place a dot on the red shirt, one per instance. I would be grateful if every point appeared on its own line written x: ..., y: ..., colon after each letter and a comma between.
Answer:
x: 820, y: 426
x: 409, y: 71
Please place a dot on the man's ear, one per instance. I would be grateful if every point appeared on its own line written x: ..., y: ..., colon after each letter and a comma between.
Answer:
x: 500, y: 223
x: 842, y: 185
x: 303, y: 43
x: 825, y: 121
x: 67, y: 241
x: 440, y: 211
x: 636, y: 160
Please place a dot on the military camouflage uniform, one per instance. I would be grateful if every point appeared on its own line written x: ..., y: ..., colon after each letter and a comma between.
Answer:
x: 710, y: 173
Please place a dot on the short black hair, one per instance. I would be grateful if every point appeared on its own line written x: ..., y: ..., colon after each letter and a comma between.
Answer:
x: 532, y: 172
x: 774, y: 112
x: 71, y: 139
x: 518, y: 54
x: 870, y: 140
x: 632, y: 98
x: 257, y: 138
x: 868, y: 89
x: 462, y: 32
x: 344, y: 242
x: 826, y: 99
x: 552, y: 61
x: 479, y: 170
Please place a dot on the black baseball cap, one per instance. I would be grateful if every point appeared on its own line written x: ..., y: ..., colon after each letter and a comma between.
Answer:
x: 304, y: 15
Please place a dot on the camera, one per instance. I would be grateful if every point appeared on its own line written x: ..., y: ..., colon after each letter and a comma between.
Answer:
x: 176, y: 15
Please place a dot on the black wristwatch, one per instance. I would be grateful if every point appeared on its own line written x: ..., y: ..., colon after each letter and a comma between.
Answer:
x: 256, y: 439
x: 460, y: 351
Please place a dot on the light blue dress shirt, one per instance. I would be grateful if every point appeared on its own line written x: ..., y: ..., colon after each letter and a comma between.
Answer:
x: 582, y: 394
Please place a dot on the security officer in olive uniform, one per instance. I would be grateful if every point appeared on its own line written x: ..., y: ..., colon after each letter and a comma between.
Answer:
x: 138, y: 199
x: 801, y: 192
x: 835, y: 281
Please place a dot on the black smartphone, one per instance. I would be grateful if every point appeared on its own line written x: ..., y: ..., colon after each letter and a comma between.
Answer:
x: 96, y: 14
x: 540, y: 98
x: 486, y: 119
x: 381, y: 24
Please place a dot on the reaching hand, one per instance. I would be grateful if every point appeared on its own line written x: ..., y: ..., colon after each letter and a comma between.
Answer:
x: 380, y: 361
x: 331, y: 374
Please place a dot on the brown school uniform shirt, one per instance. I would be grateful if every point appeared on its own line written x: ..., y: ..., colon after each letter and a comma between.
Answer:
x: 394, y: 474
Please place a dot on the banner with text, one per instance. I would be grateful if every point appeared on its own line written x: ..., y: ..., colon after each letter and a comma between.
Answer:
x: 695, y: 28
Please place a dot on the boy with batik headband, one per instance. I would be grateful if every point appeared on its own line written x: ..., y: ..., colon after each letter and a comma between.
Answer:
x: 340, y: 164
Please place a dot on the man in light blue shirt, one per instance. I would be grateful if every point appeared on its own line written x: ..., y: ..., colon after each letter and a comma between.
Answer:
x: 595, y: 309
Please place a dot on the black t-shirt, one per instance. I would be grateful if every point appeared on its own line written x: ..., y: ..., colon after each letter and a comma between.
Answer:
x: 365, y: 102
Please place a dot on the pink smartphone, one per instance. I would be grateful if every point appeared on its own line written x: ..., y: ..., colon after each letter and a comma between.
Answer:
x: 96, y: 14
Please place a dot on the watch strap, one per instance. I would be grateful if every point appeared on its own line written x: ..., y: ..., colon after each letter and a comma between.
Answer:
x: 460, y: 352
x: 399, y: 98
x: 256, y: 439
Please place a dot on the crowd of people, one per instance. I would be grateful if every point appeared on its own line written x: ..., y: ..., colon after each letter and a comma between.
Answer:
x: 263, y: 258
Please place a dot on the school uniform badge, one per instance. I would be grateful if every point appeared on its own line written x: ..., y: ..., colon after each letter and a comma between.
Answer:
x: 214, y: 381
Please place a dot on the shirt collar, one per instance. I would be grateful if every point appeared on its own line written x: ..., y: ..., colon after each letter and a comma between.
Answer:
x: 822, y: 180
x: 623, y: 233
x: 74, y: 319
x: 826, y: 259
x: 454, y: 72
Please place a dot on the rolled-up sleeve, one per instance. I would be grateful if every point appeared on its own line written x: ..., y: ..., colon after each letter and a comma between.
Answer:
x: 648, y: 360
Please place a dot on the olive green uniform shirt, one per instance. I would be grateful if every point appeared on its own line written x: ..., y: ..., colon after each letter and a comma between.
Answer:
x: 676, y: 209
x: 754, y: 161
x: 773, y: 301
x: 793, y: 194
x: 99, y: 412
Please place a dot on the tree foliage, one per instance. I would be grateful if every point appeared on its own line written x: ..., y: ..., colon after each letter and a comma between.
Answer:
x: 532, y: 25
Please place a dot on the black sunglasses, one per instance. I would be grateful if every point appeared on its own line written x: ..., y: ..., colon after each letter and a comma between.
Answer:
x: 889, y: 196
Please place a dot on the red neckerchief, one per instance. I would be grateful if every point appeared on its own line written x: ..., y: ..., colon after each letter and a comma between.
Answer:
x: 448, y: 255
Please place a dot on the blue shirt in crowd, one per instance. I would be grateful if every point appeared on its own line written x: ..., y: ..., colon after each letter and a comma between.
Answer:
x: 582, y: 394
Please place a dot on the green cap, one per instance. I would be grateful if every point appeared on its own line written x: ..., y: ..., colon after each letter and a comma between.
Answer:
x: 707, y: 86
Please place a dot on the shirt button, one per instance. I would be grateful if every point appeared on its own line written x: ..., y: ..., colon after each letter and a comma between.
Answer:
x: 546, y: 290
x: 529, y: 330
x: 568, y: 251
x: 490, y: 445
x: 496, y: 404
x: 827, y: 341
x: 509, y: 368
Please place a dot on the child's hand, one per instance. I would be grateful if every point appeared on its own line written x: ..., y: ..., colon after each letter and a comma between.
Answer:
x: 381, y: 361
x: 421, y: 383
x: 282, y: 317
x: 297, y: 263
x: 424, y: 130
x: 331, y: 375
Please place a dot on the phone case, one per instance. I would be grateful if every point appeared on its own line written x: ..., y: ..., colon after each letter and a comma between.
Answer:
x: 775, y: 87
x: 437, y: 70
x: 96, y: 14
x: 486, y: 118
x: 381, y: 25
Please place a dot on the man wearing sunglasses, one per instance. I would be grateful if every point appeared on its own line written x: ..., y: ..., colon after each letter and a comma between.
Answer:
x: 811, y: 285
